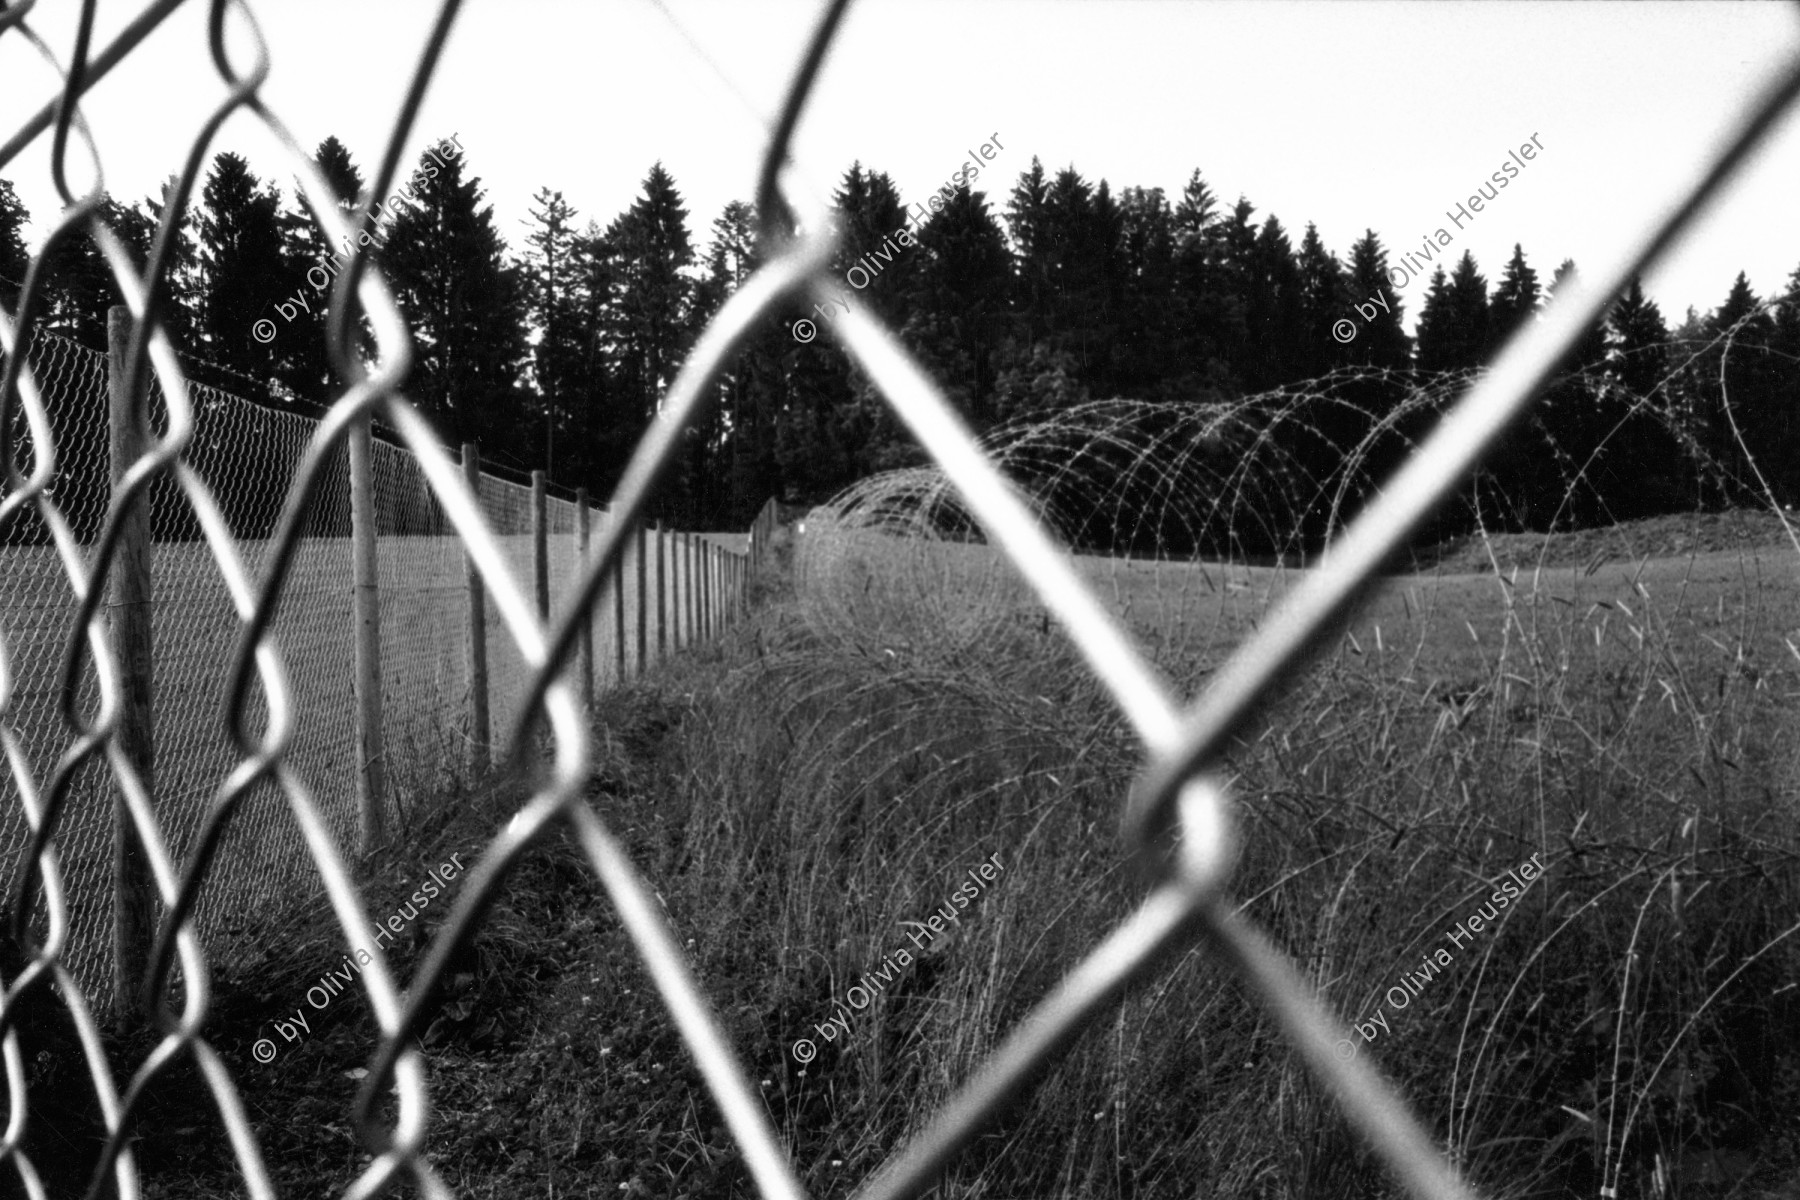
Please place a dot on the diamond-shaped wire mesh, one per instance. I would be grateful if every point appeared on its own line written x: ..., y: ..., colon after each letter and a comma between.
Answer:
x: 1177, y: 820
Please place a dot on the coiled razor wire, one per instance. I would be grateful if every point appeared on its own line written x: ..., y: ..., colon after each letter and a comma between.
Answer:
x: 1177, y: 819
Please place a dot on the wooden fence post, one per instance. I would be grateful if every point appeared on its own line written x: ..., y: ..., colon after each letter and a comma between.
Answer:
x: 540, y: 543
x: 587, y: 620
x: 677, y: 592
x: 643, y: 598
x: 371, y: 757
x: 478, y: 672
x: 662, y: 597
x: 684, y: 590
x: 618, y: 610
x: 132, y: 590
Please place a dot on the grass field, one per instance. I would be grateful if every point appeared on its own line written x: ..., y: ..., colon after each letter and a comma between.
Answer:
x: 804, y: 793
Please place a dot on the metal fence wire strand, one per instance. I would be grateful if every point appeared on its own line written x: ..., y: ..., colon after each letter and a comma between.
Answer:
x: 1177, y: 820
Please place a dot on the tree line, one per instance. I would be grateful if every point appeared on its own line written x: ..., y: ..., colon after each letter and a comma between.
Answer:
x: 556, y: 354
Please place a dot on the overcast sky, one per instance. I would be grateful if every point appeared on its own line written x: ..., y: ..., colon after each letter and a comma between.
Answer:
x: 1351, y: 115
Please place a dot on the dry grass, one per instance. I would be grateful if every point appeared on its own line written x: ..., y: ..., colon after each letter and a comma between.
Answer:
x: 801, y: 792
x: 1635, y: 1015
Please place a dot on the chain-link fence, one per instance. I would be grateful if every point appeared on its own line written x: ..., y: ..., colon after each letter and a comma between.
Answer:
x: 246, y: 452
x: 1178, y: 821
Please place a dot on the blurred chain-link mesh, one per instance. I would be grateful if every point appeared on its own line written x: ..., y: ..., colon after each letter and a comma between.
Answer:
x: 1177, y: 821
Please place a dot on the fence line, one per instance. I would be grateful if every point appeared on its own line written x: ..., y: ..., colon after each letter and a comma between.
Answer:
x: 381, y: 592
x: 1178, y: 820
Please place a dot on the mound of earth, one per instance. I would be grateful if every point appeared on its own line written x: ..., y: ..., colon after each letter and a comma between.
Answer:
x: 1670, y: 536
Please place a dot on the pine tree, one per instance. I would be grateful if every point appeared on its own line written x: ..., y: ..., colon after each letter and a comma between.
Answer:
x: 1324, y: 299
x: 1644, y: 442
x: 732, y: 457
x: 1571, y: 477
x: 14, y: 261
x: 79, y: 287
x: 1077, y: 250
x: 875, y: 258
x: 180, y: 309
x: 1382, y: 340
x: 1149, y: 332
x: 1207, y: 314
x: 1275, y: 311
x: 244, y: 267
x: 600, y: 275
x: 340, y: 172
x: 1466, y: 332
x: 1232, y: 256
x: 1436, y: 325
x: 1784, y: 390
x: 1198, y: 209
x: 651, y: 313
x: 1515, y: 302
x: 1639, y: 339
x: 1748, y: 417
x: 960, y: 302
x: 465, y: 304
x: 1026, y: 217
x: 552, y: 272
x: 1318, y: 438
x: 304, y: 357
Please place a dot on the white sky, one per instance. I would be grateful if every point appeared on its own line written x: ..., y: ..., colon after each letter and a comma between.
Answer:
x: 1350, y: 115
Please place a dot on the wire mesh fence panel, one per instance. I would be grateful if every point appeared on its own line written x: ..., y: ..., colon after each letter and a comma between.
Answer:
x: 254, y: 604
x: 424, y: 629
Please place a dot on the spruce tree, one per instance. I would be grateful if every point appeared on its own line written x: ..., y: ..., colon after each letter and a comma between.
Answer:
x: 1638, y: 340
x: 651, y: 314
x: 1436, y: 325
x: 1077, y: 253
x: 1381, y: 340
x: 1026, y: 226
x: 732, y: 456
x: 1572, y: 477
x: 1274, y: 311
x: 1324, y: 300
x: 875, y: 264
x: 552, y: 273
x: 318, y: 259
x: 1784, y: 390
x: 1748, y: 416
x: 181, y: 270
x: 14, y: 261
x: 1149, y: 332
x: 1465, y: 335
x: 1208, y: 315
x: 79, y: 287
x: 244, y: 269
x: 1644, y: 443
x: 1232, y: 255
x: 1515, y: 301
x: 960, y: 305
x: 465, y: 305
